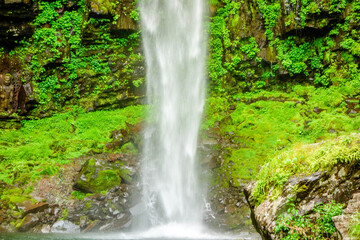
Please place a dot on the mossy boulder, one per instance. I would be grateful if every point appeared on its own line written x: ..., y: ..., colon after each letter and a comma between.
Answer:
x: 97, y: 176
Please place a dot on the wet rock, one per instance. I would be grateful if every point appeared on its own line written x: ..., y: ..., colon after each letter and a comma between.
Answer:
x: 138, y: 209
x: 33, y: 208
x: 28, y: 222
x: 64, y: 226
x: 227, y: 209
x: 97, y: 176
x: 45, y: 229
x: 84, y: 221
x: 123, y: 223
x: 15, y: 20
x: 94, y: 226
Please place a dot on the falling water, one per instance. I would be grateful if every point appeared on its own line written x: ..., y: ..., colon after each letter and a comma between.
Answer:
x: 175, y: 52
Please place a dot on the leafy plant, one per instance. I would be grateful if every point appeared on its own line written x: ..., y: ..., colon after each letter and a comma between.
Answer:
x: 293, y: 226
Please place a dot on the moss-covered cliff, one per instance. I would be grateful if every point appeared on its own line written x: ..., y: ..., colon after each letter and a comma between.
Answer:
x: 64, y: 53
x: 282, y: 73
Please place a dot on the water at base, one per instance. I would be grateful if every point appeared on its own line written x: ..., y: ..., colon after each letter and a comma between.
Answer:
x: 170, y: 231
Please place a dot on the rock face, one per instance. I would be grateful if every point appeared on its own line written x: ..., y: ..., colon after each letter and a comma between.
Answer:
x: 256, y: 43
x: 227, y: 208
x: 96, y: 55
x: 345, y: 220
x: 16, y: 17
x: 340, y: 185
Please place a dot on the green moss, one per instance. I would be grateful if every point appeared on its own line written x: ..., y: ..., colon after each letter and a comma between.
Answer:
x: 88, y: 205
x: 107, y: 179
x: 129, y: 148
x: 40, y: 147
x: 257, y: 126
x: 304, y: 159
x: 354, y: 230
x: 99, y: 177
x: 65, y: 213
x: 14, y: 195
x: 78, y: 195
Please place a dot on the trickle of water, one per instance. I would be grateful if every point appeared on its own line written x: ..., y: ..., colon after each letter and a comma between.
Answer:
x: 175, y: 43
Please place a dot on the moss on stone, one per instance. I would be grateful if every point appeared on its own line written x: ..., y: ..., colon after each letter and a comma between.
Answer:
x: 304, y: 159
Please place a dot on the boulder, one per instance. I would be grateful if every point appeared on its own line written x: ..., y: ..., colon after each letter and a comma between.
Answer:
x: 97, y: 175
x: 28, y: 222
x: 64, y: 226
x: 29, y: 207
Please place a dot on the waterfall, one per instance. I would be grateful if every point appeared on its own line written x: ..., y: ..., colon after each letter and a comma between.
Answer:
x: 174, y: 42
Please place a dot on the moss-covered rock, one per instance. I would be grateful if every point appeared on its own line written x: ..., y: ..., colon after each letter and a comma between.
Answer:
x: 305, y: 177
x: 97, y: 176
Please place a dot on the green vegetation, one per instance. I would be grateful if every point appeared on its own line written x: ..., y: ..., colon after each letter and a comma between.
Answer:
x: 40, y: 147
x: 262, y: 124
x: 98, y: 181
x: 237, y: 64
x: 294, y: 226
x: 57, y: 58
x: 304, y: 159
x: 355, y: 227
x: 283, y: 96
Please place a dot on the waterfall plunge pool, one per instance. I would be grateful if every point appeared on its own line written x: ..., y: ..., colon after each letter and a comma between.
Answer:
x: 165, y: 232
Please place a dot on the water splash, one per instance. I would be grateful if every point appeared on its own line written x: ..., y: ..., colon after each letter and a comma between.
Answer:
x: 175, y: 51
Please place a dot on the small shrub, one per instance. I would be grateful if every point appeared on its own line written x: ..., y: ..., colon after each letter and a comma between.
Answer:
x: 317, y: 226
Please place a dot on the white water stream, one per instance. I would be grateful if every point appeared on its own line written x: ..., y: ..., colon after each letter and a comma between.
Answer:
x: 175, y: 50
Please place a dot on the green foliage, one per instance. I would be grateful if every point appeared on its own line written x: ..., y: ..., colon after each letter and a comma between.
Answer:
x: 261, y: 125
x: 251, y: 49
x: 354, y: 230
x: 56, y: 59
x: 40, y: 147
x: 293, y: 226
x: 351, y: 45
x: 220, y: 41
x: 293, y: 58
x: 135, y: 14
x: 304, y: 159
x: 270, y: 13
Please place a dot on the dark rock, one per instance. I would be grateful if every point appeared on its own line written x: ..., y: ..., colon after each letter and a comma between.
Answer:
x: 15, y: 20
x: 92, y: 226
x: 122, y: 223
x: 35, y: 208
x: 28, y: 222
